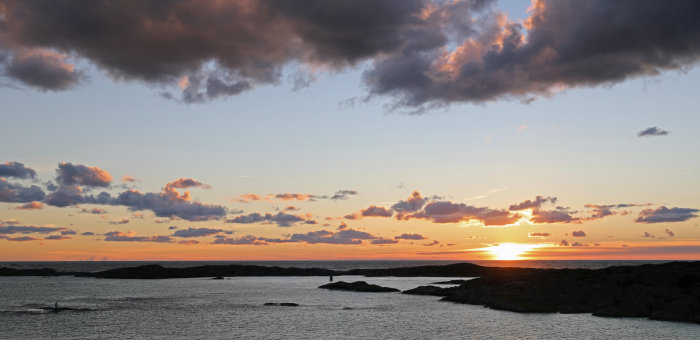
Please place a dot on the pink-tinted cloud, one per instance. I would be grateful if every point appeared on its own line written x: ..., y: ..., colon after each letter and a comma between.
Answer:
x: 30, y: 206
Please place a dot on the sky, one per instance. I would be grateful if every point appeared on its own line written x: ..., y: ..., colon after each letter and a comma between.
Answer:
x: 282, y: 130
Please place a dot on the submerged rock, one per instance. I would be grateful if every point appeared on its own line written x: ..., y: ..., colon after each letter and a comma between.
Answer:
x: 358, y: 286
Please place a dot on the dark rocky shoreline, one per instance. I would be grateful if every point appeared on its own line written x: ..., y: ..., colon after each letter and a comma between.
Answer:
x: 668, y: 291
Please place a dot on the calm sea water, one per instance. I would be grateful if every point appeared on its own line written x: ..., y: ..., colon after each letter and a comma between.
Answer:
x: 234, y: 308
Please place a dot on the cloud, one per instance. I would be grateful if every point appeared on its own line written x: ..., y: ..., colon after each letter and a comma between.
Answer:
x: 663, y: 214
x: 384, y: 241
x: 17, y: 170
x: 652, y: 131
x: 410, y: 237
x: 371, y: 211
x: 88, y: 233
x: 647, y: 234
x: 434, y: 243
x: 343, y: 194
x: 449, y: 212
x: 118, y: 236
x: 169, y: 203
x: 17, y: 229
x: 69, y: 174
x: 197, y: 232
x: 669, y: 233
x: 281, y: 219
x: 542, y: 235
x: 412, y: 204
x: 129, y: 179
x: 95, y: 211
x: 243, y: 240
x: 43, y: 69
x: 68, y: 232
x: 184, y: 183
x: 57, y: 237
x: 558, y: 215
x: 564, y: 44
x: 535, y: 204
x: 122, y: 221
x: 67, y: 196
x: 19, y: 239
x: 294, y: 197
x: 564, y: 243
x: 17, y: 193
x: 30, y: 206
x: 579, y: 233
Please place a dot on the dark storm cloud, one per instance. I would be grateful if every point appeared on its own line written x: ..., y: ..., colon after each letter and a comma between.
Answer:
x: 410, y: 237
x: 16, y: 169
x: 77, y: 174
x: 422, y: 52
x: 43, y: 70
x: 248, y: 41
x: 663, y: 214
x: 197, y: 232
x: 17, y: 193
x: 567, y: 44
x: 652, y: 131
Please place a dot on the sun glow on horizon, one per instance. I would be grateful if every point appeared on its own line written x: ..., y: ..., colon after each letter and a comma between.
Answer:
x: 510, y: 251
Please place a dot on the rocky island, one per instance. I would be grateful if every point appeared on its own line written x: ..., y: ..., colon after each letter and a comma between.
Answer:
x: 668, y: 291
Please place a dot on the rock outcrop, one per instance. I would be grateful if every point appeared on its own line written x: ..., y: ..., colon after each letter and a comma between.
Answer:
x: 358, y: 286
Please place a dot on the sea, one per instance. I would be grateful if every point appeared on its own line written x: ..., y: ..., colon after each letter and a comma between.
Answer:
x: 234, y: 308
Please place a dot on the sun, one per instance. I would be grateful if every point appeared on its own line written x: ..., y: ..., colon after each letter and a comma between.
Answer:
x: 510, y: 251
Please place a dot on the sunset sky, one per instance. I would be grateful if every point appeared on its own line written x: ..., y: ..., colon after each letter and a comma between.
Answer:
x: 408, y: 129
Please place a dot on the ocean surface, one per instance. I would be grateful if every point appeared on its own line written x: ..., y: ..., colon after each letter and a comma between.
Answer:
x: 234, y: 308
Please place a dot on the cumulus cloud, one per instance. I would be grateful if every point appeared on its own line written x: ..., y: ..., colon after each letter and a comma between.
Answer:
x: 281, y: 219
x: 449, y: 212
x: 579, y: 233
x: 43, y: 69
x: 70, y: 174
x: 669, y: 233
x: 406, y: 236
x: 17, y: 193
x: 652, y: 131
x: 118, y: 236
x: 663, y: 214
x: 17, y: 170
x: 30, y: 206
x: 533, y: 204
x: 122, y: 221
x: 197, y: 232
x: 371, y: 211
